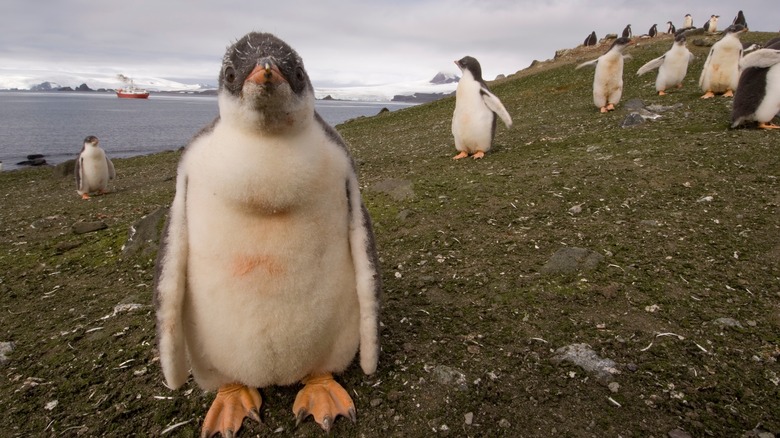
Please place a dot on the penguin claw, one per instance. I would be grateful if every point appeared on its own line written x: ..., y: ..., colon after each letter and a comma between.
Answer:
x: 460, y: 155
x: 227, y: 412
x: 324, y: 399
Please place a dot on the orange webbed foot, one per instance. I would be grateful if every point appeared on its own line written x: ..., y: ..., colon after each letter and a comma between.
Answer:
x: 460, y: 155
x: 728, y: 93
x: 477, y: 155
x: 610, y: 107
x: 764, y: 125
x: 227, y: 412
x: 603, y: 110
x: 325, y: 399
x: 662, y: 93
x: 708, y: 95
x: 84, y: 196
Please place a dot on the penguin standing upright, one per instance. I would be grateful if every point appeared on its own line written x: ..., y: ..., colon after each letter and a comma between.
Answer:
x: 670, y: 29
x: 712, y: 25
x: 672, y: 66
x: 591, y: 39
x: 740, y: 19
x: 653, y: 31
x: 687, y: 21
x: 758, y: 95
x: 608, y: 79
x: 268, y: 273
x: 627, y: 32
x: 474, y: 119
x: 93, y: 169
x: 720, y: 74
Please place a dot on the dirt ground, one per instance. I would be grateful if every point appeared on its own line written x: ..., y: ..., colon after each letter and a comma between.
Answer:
x: 678, y: 301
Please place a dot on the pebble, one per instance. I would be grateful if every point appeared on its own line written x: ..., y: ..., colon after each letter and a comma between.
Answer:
x: 376, y: 402
x: 614, y: 387
x: 469, y: 418
x: 504, y: 423
x: 5, y: 348
x: 88, y: 227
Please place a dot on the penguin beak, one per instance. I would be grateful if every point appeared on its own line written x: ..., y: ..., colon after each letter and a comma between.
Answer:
x: 266, y: 72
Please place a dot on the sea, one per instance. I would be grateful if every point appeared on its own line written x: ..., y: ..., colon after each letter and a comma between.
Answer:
x: 55, y: 124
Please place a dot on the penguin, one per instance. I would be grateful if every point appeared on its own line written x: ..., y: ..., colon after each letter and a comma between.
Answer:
x: 712, y: 25
x: 720, y: 74
x: 672, y: 66
x: 268, y: 271
x: 687, y: 21
x: 627, y: 32
x: 474, y: 119
x: 740, y: 19
x: 93, y: 169
x: 608, y: 79
x: 757, y: 97
x: 591, y: 39
x: 1, y: 166
x: 670, y: 29
x: 653, y: 31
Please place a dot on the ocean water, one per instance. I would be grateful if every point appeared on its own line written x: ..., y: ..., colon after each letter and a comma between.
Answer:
x: 55, y: 124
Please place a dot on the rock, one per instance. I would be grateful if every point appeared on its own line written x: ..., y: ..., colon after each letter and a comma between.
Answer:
x: 634, y: 104
x: 450, y: 376
x: 727, y: 322
x: 469, y: 418
x: 584, y: 357
x: 375, y: 402
x: 144, y: 235
x: 5, y: 349
x: 398, y: 189
x: 88, y: 227
x: 64, y: 169
x: 614, y: 387
x: 504, y: 423
x: 571, y: 260
x: 64, y: 247
x: 632, y: 119
x: 678, y: 433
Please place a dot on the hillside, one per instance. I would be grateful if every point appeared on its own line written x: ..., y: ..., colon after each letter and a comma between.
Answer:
x: 680, y: 288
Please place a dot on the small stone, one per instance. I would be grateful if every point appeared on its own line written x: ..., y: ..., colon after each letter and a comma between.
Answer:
x: 633, y: 119
x: 88, y: 227
x: 394, y: 395
x: 376, y: 402
x: 5, y: 349
x: 51, y: 405
x: 450, y: 376
x: 727, y: 322
x: 678, y: 433
x: 469, y: 418
x: 614, y: 387
x: 632, y: 367
x: 504, y: 423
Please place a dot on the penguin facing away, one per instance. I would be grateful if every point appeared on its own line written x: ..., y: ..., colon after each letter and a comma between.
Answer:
x: 720, y: 74
x: 670, y: 29
x: 740, y: 19
x: 591, y: 39
x: 672, y: 66
x: 474, y: 119
x: 268, y: 272
x: 757, y: 97
x: 608, y: 79
x: 93, y: 169
x: 627, y: 32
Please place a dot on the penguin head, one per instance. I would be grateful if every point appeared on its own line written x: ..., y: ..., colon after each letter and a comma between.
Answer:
x: 471, y: 65
x: 680, y: 39
x: 735, y: 29
x: 263, y: 82
x: 621, y: 43
x: 91, y: 140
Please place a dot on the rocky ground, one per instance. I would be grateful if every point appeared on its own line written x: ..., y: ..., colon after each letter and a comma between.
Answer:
x: 594, y: 275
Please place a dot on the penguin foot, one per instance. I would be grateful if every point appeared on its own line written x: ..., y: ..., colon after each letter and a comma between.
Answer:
x: 662, y: 93
x: 708, y: 95
x: 610, y: 107
x: 763, y: 125
x: 84, y: 196
x: 728, y: 93
x: 603, y: 110
x: 460, y: 155
x: 325, y: 399
x: 227, y: 412
x: 477, y: 155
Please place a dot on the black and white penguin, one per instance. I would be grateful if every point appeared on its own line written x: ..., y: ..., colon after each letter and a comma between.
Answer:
x: 627, y: 32
x: 712, y: 25
x: 474, y: 119
x: 740, y: 19
x: 758, y: 95
x: 672, y: 66
x: 93, y: 169
x: 268, y: 273
x: 670, y: 29
x: 608, y: 79
x: 591, y: 40
x: 687, y: 21
x: 720, y: 74
x: 653, y: 31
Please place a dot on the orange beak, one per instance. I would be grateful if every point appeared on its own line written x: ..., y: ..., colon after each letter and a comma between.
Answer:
x: 264, y: 74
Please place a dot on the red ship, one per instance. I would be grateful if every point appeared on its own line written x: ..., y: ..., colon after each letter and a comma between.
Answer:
x: 131, y: 91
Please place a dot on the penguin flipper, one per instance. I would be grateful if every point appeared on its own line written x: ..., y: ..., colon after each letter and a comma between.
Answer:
x: 588, y: 64
x: 111, y: 170
x: 494, y: 103
x: 651, y: 65
x: 77, y: 173
x: 170, y: 288
x: 762, y: 58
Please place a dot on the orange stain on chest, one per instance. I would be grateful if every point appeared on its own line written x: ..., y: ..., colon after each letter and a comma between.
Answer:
x: 243, y: 264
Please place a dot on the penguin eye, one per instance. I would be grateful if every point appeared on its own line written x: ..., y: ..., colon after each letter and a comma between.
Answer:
x: 299, y: 74
x: 230, y: 74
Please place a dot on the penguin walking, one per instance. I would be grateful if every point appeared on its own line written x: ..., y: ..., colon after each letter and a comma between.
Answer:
x: 93, y: 169
x: 740, y: 19
x: 608, y: 79
x: 591, y: 39
x: 712, y: 25
x: 474, y: 119
x: 268, y: 273
x: 758, y: 95
x: 720, y: 74
x: 653, y: 31
x: 672, y: 66
x: 687, y: 21
x: 670, y: 29
x: 627, y: 32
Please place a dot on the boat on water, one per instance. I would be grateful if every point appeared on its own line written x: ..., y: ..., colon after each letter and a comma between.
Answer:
x: 131, y: 91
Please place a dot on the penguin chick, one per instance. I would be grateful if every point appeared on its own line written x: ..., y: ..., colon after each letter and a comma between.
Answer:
x: 757, y: 97
x: 740, y: 19
x: 720, y: 74
x: 474, y: 119
x: 93, y: 169
x: 672, y: 66
x: 268, y: 273
x: 608, y: 79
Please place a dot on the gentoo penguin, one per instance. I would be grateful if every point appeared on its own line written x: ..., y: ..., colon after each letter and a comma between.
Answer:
x: 653, y: 31
x: 93, y: 169
x: 672, y: 66
x: 758, y: 95
x: 608, y: 79
x: 591, y: 39
x: 712, y: 25
x: 627, y: 32
x: 740, y: 19
x: 474, y: 119
x: 670, y: 29
x: 720, y: 74
x: 687, y: 21
x: 268, y: 273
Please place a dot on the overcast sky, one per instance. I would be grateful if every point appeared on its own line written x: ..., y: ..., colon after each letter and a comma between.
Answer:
x: 346, y: 42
